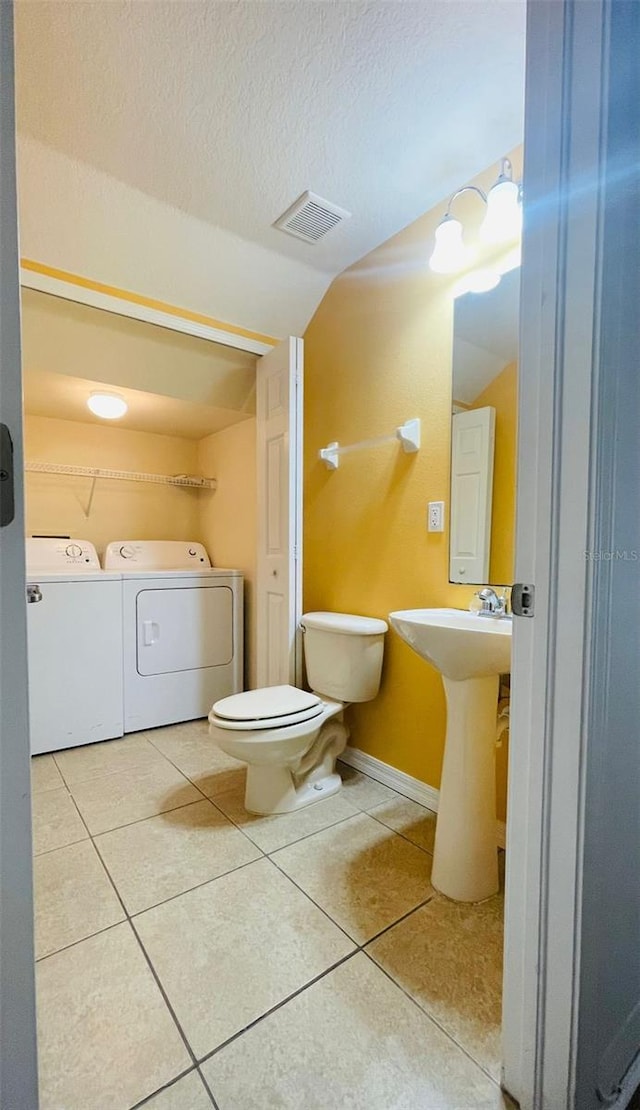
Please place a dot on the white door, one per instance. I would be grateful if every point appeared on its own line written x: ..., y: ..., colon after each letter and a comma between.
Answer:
x: 279, y: 584
x: 18, y: 1077
x: 472, y: 450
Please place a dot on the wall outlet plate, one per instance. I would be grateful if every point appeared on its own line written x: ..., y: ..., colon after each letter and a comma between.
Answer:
x: 435, y: 516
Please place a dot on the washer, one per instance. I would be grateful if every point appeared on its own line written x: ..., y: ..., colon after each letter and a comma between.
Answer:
x: 75, y: 646
x: 182, y: 630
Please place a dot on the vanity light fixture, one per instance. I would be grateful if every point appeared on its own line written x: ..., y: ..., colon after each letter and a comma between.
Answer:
x: 110, y: 406
x: 502, y: 223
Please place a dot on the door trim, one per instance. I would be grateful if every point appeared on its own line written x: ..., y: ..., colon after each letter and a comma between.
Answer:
x: 18, y: 1059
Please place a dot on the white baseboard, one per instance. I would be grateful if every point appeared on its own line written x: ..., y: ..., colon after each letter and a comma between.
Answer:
x: 405, y: 784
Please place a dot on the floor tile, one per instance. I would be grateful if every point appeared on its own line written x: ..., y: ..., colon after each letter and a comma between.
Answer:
x: 414, y: 821
x: 271, y: 833
x: 155, y: 859
x: 105, y: 1036
x: 448, y: 956
x: 191, y: 749
x: 44, y: 774
x: 56, y: 821
x: 352, y: 1040
x: 362, y: 791
x: 73, y: 897
x: 118, y: 799
x: 131, y: 753
x: 188, y: 1093
x: 229, y: 951
x: 364, y: 875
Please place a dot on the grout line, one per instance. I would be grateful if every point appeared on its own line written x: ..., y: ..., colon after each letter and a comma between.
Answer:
x: 404, y: 917
x: 167, y: 1087
x: 139, y: 820
x: 146, y: 957
x: 75, y: 943
x: 313, y: 902
x: 398, y: 832
x: 290, y: 843
x: 432, y: 1019
x: 196, y: 886
x: 278, y: 1006
x: 59, y: 847
x: 208, y: 1089
x: 393, y: 789
x: 163, y: 992
x: 358, y: 947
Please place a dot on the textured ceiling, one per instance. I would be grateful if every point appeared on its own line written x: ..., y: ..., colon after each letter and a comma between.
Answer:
x: 228, y: 111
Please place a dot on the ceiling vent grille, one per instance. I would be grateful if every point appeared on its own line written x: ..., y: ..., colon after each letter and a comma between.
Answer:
x: 311, y: 217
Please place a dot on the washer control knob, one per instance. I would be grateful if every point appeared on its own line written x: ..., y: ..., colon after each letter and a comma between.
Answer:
x: 73, y: 550
x: 127, y: 551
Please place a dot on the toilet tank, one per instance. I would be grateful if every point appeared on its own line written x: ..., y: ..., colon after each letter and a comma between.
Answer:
x: 343, y: 654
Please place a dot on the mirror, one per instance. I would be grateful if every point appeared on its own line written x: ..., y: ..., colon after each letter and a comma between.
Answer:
x: 483, y: 434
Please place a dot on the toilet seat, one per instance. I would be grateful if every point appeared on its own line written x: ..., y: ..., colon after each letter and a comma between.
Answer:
x: 268, y: 708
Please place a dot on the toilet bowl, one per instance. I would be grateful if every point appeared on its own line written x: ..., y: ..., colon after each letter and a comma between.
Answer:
x: 290, y: 738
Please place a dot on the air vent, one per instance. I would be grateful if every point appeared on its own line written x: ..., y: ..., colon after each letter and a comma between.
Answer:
x: 311, y: 218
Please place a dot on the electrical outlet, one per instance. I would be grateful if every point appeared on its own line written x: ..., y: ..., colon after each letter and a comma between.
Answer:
x: 435, y: 516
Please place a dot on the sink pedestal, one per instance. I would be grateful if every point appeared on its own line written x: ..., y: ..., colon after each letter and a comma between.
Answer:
x: 465, y: 859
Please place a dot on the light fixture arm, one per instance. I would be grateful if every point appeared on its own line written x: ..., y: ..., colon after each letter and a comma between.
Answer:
x: 465, y: 189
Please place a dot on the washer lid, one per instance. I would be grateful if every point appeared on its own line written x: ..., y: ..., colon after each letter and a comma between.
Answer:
x: 266, y: 704
x: 348, y: 623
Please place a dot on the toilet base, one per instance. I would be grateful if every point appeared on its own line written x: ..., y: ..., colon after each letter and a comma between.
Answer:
x: 273, y: 790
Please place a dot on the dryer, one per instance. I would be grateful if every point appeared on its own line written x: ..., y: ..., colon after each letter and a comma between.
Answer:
x: 74, y: 629
x: 182, y: 630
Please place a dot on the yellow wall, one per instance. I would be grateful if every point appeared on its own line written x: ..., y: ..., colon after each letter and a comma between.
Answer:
x: 229, y: 515
x: 502, y: 394
x: 120, y: 510
x: 377, y: 352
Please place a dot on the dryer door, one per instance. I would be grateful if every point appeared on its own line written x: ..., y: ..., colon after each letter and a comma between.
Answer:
x: 184, y: 629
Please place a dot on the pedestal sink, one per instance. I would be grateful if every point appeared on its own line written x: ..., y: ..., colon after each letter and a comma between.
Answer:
x: 471, y: 652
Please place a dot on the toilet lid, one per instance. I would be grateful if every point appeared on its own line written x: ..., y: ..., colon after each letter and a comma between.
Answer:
x: 271, y: 703
x: 266, y: 723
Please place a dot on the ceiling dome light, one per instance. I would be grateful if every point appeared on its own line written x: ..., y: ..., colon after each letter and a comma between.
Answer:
x: 110, y: 406
x: 503, y: 220
x: 449, y: 253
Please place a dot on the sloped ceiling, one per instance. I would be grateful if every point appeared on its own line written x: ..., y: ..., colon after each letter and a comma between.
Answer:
x: 226, y: 112
x: 174, y: 384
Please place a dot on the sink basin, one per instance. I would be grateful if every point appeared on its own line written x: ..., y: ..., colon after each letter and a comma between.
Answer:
x: 458, y: 644
x: 471, y: 652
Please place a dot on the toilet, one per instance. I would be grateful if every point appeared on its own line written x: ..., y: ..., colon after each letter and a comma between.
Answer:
x: 291, y: 738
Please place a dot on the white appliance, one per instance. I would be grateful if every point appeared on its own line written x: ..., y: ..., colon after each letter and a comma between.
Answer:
x: 74, y: 629
x: 182, y: 630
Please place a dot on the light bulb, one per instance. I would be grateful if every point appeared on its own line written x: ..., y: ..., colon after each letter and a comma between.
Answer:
x: 110, y: 406
x: 503, y: 220
x: 449, y: 253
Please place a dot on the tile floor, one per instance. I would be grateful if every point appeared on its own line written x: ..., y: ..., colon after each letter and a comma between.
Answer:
x: 191, y: 955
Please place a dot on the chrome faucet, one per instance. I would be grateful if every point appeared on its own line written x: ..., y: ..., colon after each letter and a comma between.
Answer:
x: 492, y: 604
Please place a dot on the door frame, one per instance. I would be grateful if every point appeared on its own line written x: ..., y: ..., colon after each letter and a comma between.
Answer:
x: 18, y: 1051
x: 565, y: 167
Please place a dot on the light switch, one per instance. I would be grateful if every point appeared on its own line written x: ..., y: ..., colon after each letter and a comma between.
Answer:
x: 435, y: 516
